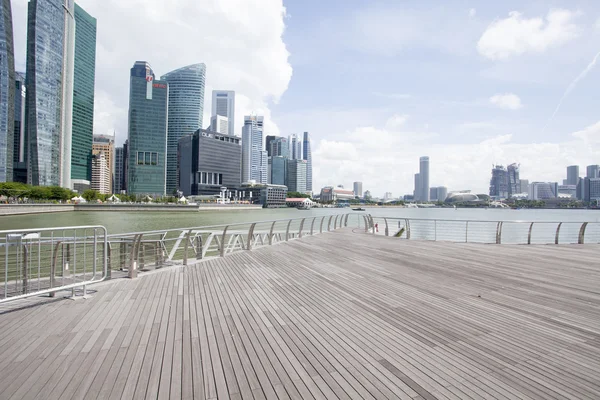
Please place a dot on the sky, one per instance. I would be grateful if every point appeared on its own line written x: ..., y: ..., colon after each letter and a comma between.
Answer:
x: 376, y: 83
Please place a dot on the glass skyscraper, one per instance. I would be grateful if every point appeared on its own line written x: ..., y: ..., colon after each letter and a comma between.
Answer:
x: 186, y: 108
x: 19, y: 158
x: 223, y: 103
x: 148, y: 105
x: 254, y: 158
x: 49, y: 81
x: 83, y: 95
x: 307, y: 155
x: 7, y: 92
x: 424, y: 177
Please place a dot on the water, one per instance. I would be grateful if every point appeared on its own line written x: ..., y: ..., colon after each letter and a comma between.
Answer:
x: 121, y: 222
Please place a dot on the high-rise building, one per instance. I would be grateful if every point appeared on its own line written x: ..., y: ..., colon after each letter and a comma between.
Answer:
x: 524, y: 185
x: 593, y: 190
x: 388, y: 196
x: 358, y: 189
x: 572, y: 175
x: 424, y: 177
x: 296, y: 175
x: 7, y: 93
x: 418, y: 191
x: 307, y: 156
x: 593, y: 171
x: 106, y: 144
x: 223, y: 103
x: 543, y: 190
x: 117, y: 185
x: 499, y: 183
x: 268, y: 141
x: 148, y: 105
x: 295, y: 147
x: 278, y: 170
x: 514, y: 182
x: 19, y: 140
x: 125, y: 175
x: 101, y: 173
x: 84, y: 78
x: 49, y: 81
x: 280, y: 147
x: 254, y: 162
x: 208, y: 161
x: 219, y: 124
x: 442, y: 193
x: 186, y: 108
x: 433, y: 194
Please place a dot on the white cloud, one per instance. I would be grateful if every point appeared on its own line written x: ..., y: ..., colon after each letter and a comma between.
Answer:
x: 240, y: 41
x: 472, y: 13
x: 516, y: 35
x: 507, y: 101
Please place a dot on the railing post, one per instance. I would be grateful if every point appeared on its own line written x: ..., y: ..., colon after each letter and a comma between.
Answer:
x: 581, y: 239
x: 329, y: 224
x: 529, y: 234
x: 312, y: 225
x: 142, y: 256
x: 132, y: 273
x: 199, y: 247
x: 186, y: 247
x: 557, y: 233
x: 467, y: 233
x: 346, y: 220
x: 52, y: 267
x: 335, y: 222
x: 287, y: 230
x: 387, y: 229
x: 122, y: 254
x: 25, y: 269
x: 407, y: 229
x: 271, y: 233
x: 372, y: 223
x: 250, y: 234
x: 301, y: 226
x: 499, y: 233
x: 366, y: 224
x: 108, y: 261
x: 223, y: 241
x: 322, y: 220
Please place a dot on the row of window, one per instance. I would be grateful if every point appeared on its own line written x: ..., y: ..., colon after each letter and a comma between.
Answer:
x: 147, y: 158
x: 210, y: 178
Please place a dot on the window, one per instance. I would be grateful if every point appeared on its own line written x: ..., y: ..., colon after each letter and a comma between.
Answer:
x: 147, y: 158
x: 140, y: 157
x: 154, y: 159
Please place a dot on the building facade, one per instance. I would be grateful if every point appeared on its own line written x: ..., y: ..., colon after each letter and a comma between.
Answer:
x: 84, y: 77
x: 106, y: 144
x: 296, y: 175
x: 207, y: 162
x: 186, y: 109
x: 223, y: 103
x: 101, y: 175
x: 358, y: 189
x: 593, y: 171
x: 7, y: 93
x: 442, y: 193
x: 147, y: 138
x: 499, y: 183
x: 424, y: 177
x: 514, y: 181
x: 295, y: 147
x: 417, y: 192
x: 307, y: 156
x: 19, y: 139
x: 219, y: 124
x: 572, y: 175
x: 278, y: 170
x: 117, y: 185
x: 254, y: 159
x: 543, y: 190
x: 49, y: 81
x: 268, y: 140
x: 279, y: 147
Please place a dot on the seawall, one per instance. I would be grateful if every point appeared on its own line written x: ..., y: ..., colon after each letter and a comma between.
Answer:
x: 20, y: 209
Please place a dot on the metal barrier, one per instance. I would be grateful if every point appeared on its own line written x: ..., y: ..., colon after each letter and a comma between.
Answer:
x: 495, y: 232
x: 49, y: 260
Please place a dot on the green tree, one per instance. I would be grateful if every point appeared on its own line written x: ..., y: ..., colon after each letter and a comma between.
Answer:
x: 90, y: 195
x: 296, y: 195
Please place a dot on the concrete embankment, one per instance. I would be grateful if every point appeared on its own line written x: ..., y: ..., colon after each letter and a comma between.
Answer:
x: 21, y: 209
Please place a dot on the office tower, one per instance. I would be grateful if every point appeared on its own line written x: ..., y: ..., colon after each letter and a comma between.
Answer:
x: 424, y: 176
x: 101, y: 176
x: 253, y: 168
x: 106, y: 144
x: 148, y: 105
x: 186, y: 108
x: 572, y: 175
x: 280, y: 147
x: 84, y: 78
x: 19, y: 158
x: 593, y: 171
x: 593, y: 190
x: 296, y: 175
x: 417, y: 192
x: 125, y: 176
x: 49, y: 81
x: 433, y: 194
x: 278, y: 170
x: 543, y: 190
x: 117, y: 184
x: 7, y: 93
x: 208, y: 161
x: 268, y: 142
x: 524, y: 185
x: 514, y: 183
x: 307, y: 156
x: 223, y: 103
x: 219, y: 124
x: 357, y: 189
x: 388, y: 196
x: 295, y: 147
x: 499, y: 183
x: 442, y: 193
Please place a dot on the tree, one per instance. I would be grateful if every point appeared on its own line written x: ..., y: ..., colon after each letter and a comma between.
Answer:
x: 295, y: 195
x: 90, y: 195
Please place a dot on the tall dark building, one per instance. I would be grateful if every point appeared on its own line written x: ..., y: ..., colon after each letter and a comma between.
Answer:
x: 118, y: 172
x: 125, y: 175
x: 307, y: 156
x: 499, y: 183
x: 208, y: 161
x: 572, y: 175
x: 593, y: 171
x: 19, y: 157
x: 514, y: 182
x: 268, y: 142
x: 84, y: 78
x: 7, y: 93
x: 148, y: 104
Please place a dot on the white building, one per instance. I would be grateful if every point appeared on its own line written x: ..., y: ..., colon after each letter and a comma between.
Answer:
x: 219, y: 124
x: 543, y: 190
x: 254, y: 158
x: 100, y: 174
x: 295, y: 147
x: 223, y: 103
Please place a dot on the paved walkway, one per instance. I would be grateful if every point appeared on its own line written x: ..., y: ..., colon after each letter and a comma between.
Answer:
x: 339, y: 315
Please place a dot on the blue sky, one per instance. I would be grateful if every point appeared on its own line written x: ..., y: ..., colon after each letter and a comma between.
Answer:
x: 377, y: 84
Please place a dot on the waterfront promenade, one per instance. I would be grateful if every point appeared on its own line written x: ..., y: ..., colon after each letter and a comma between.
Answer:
x: 339, y: 315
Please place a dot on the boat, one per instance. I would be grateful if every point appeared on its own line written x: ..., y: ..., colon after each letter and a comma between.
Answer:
x: 303, y: 207
x: 358, y: 209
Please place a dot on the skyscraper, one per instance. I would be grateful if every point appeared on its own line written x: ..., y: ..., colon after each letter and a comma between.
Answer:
x: 296, y: 175
x: 19, y: 154
x: 358, y: 189
x: 148, y: 105
x: 307, y: 156
x: 219, y: 124
x: 593, y: 171
x: 101, y: 175
x: 514, y: 183
x: 572, y: 175
x: 223, y: 103
x: 424, y: 176
x: 118, y: 175
x: 280, y: 147
x: 499, y: 188
x: 254, y: 162
x: 105, y: 144
x: 50, y: 70
x: 278, y: 170
x: 268, y: 141
x: 418, y: 191
x: 186, y: 108
x: 7, y: 93
x: 295, y: 147
x: 84, y: 77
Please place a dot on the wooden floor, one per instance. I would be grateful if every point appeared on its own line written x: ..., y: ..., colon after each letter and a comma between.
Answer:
x: 339, y: 315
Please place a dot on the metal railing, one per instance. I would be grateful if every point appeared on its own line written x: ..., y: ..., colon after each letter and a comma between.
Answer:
x: 49, y: 260
x: 474, y: 231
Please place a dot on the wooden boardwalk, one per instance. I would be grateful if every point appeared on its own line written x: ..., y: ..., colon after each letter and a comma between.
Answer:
x: 340, y: 315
